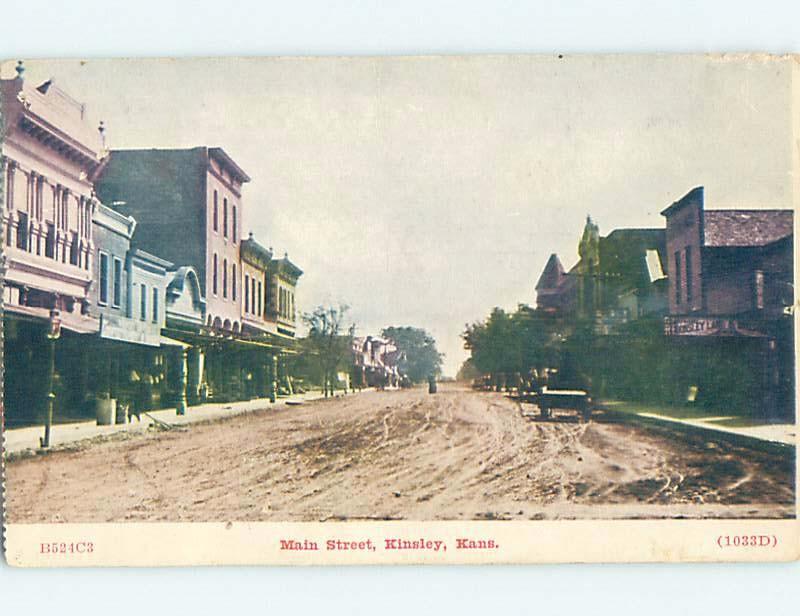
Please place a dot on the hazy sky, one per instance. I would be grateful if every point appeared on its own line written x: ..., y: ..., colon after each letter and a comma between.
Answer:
x: 425, y: 191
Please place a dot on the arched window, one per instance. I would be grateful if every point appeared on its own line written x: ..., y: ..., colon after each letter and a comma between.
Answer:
x: 246, y: 293
x: 224, y: 278
x: 225, y: 217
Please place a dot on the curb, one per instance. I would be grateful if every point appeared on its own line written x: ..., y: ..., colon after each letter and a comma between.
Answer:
x: 741, y: 440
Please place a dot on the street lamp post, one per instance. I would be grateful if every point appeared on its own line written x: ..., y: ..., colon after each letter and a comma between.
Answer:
x: 53, y: 334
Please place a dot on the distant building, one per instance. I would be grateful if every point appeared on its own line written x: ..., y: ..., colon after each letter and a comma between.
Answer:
x: 376, y: 362
x: 552, y: 292
x: 280, y: 301
x: 619, y: 278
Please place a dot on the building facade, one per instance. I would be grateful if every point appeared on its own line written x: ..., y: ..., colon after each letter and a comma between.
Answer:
x: 188, y: 204
x: 731, y: 276
x: 51, y: 155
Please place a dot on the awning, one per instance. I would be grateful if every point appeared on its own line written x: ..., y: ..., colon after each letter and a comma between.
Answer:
x: 196, y: 338
x: 167, y: 341
x: 78, y: 324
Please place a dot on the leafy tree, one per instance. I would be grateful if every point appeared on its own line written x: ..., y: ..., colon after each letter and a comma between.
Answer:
x: 329, y: 343
x: 419, y: 357
x: 513, y: 343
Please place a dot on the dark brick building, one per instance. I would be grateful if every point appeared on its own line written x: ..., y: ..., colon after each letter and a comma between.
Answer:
x: 730, y: 287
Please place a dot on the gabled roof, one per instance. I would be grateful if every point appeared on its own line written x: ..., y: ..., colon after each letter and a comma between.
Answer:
x: 552, y: 274
x: 740, y: 228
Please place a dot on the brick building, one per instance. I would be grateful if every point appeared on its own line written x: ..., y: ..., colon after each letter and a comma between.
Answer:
x: 188, y: 205
x: 731, y: 278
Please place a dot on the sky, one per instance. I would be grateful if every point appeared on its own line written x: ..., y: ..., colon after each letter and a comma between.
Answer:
x: 425, y: 191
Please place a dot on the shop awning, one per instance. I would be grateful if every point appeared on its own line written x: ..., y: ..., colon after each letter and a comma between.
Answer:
x: 78, y: 324
x: 167, y: 341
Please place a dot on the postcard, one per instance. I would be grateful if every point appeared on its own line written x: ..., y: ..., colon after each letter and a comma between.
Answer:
x: 388, y: 310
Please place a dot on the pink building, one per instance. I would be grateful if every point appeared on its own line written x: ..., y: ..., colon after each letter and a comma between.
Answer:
x: 50, y: 158
x: 188, y: 207
x: 51, y: 155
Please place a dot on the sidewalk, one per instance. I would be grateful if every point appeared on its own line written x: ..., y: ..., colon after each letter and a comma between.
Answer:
x: 731, y: 425
x: 27, y: 439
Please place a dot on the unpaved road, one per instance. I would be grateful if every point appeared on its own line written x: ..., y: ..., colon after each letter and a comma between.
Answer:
x: 399, y: 455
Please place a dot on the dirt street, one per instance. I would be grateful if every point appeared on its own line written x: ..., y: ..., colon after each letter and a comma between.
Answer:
x: 399, y: 455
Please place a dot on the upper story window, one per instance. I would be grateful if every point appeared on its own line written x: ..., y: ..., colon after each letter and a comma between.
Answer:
x: 233, y: 282
x: 246, y: 293
x: 22, y: 230
x: 117, y: 282
x: 103, y: 299
x: 678, y: 285
x: 155, y: 304
x: 235, y: 224
x: 143, y: 302
x: 50, y: 241
x: 64, y: 219
x: 10, y: 185
x: 253, y: 295
x: 259, y: 298
x: 215, y: 212
x: 74, y: 254
x: 224, y: 278
x: 225, y: 217
x: 38, y: 197
x: 687, y: 257
x: 214, y: 275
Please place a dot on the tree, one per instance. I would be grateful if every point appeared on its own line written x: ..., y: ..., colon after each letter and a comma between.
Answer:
x: 329, y: 343
x: 419, y: 357
x: 513, y: 343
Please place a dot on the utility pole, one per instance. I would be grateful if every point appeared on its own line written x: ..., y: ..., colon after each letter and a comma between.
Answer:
x: 53, y: 334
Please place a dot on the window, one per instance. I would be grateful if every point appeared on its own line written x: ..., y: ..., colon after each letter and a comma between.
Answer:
x: 225, y: 217
x: 103, y: 278
x: 10, y: 186
x: 38, y: 197
x: 759, y: 289
x: 233, y: 282
x: 259, y: 298
x: 214, y: 275
x: 117, y: 282
x: 688, y: 260
x: 65, y: 209
x: 252, y: 295
x: 50, y: 241
x: 235, y: 224
x: 73, y: 248
x: 143, y: 302
x: 215, y: 219
x: 678, y: 290
x: 246, y: 293
x: 22, y: 230
x: 155, y: 304
x: 224, y: 278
